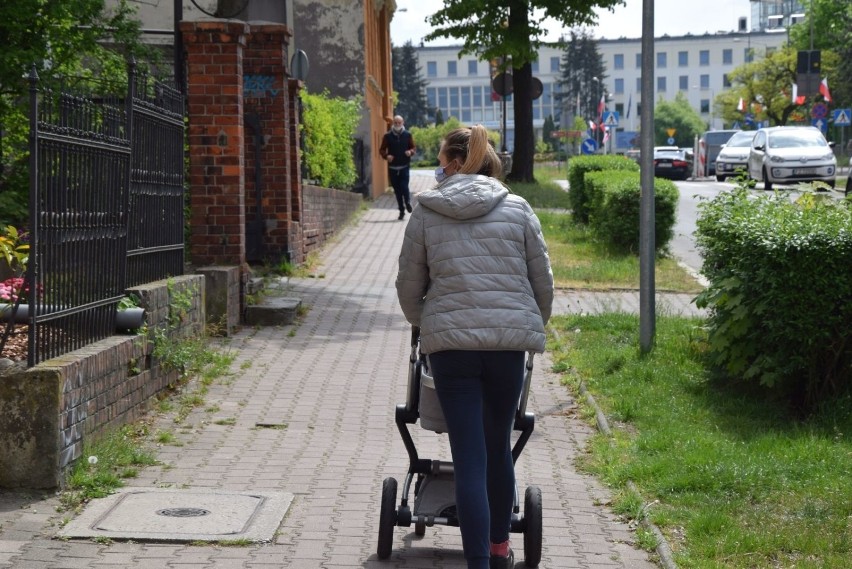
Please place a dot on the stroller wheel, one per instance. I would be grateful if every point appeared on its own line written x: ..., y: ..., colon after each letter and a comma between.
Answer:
x: 387, y: 518
x: 419, y: 529
x: 532, y: 526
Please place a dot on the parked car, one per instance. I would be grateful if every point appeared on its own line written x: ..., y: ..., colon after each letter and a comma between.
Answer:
x: 671, y: 162
x: 791, y: 154
x: 712, y: 141
x: 733, y: 157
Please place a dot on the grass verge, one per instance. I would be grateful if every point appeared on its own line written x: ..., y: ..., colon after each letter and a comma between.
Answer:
x: 731, y: 479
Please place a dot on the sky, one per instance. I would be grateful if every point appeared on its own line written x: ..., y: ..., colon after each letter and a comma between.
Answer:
x: 672, y: 17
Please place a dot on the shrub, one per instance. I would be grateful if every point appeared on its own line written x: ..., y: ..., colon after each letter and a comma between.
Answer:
x: 615, y: 204
x: 780, y: 294
x: 329, y: 129
x: 577, y: 169
x: 428, y: 140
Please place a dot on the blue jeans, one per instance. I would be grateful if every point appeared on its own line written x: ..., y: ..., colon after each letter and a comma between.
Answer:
x: 479, y: 393
x: 399, y: 180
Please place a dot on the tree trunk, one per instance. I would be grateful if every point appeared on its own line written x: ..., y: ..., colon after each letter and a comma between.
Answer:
x: 524, y: 151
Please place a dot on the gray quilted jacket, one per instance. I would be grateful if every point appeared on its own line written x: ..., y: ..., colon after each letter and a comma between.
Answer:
x: 474, y: 272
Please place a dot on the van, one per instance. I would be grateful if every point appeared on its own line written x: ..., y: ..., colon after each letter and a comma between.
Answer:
x: 709, y: 146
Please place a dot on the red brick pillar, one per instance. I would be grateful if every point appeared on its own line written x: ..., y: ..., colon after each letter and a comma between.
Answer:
x: 215, y: 51
x: 267, y: 100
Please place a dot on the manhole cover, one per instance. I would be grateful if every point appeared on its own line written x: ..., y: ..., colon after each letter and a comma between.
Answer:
x: 183, y: 512
x: 181, y: 515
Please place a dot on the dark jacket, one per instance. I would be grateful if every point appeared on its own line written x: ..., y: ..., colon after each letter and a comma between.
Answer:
x: 396, y: 145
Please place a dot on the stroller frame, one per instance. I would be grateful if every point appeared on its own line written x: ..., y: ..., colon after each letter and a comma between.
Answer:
x: 434, y: 501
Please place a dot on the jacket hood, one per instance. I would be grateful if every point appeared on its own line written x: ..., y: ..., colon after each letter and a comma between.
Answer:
x: 464, y: 196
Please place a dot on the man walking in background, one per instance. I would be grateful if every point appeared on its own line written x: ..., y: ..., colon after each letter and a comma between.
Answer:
x: 398, y: 148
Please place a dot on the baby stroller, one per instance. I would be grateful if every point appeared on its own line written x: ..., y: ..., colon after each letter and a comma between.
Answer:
x: 434, y: 487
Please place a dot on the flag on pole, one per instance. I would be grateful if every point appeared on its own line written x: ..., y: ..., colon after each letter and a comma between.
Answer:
x: 741, y: 105
x: 797, y: 100
x: 592, y: 126
x: 823, y: 90
x: 601, y: 107
x: 629, y: 105
x: 606, y: 134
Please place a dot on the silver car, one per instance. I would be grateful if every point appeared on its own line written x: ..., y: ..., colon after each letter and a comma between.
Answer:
x: 733, y: 157
x: 791, y: 154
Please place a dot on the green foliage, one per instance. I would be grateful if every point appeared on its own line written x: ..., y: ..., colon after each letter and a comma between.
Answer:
x: 14, y: 250
x: 64, y: 42
x: 577, y: 169
x: 615, y: 204
x: 832, y: 21
x: 329, y: 129
x: 780, y: 292
x: 679, y: 115
x: 428, y: 139
x: 723, y: 469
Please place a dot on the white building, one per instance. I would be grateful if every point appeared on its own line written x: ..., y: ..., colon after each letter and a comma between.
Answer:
x: 697, y: 65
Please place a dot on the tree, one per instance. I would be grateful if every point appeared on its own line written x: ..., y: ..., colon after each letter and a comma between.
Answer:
x: 832, y: 32
x: 512, y: 31
x: 582, y: 80
x: 680, y: 116
x: 547, y: 132
x: 61, y: 40
x: 410, y: 86
x: 765, y: 87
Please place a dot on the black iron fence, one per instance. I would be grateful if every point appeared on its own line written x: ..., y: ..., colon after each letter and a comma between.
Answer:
x: 106, y: 207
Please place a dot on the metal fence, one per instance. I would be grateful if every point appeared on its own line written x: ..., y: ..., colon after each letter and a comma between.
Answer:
x: 106, y: 206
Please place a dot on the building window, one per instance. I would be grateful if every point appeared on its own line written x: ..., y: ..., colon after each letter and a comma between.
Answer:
x: 704, y: 57
x: 477, y: 96
x: 534, y: 66
x: 618, y: 61
x: 472, y: 68
x: 683, y: 82
x: 727, y: 56
x: 661, y: 60
x: 454, y: 102
x: 430, y: 97
x: 638, y: 84
x: 683, y: 59
x: 661, y: 84
x: 554, y: 65
x: 452, y: 68
x: 619, y: 86
x: 442, y: 101
x: 619, y: 108
x: 748, y: 55
x: 431, y: 69
x: 705, y: 106
x: 465, y: 97
x: 726, y: 81
x: 639, y: 109
x: 639, y: 60
x: 704, y: 81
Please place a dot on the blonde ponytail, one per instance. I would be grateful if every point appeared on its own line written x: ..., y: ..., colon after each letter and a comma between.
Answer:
x: 472, y: 149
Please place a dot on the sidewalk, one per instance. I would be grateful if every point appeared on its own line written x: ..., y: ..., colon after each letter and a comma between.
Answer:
x: 333, y: 382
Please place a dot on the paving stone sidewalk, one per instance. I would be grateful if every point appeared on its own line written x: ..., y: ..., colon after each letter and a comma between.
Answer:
x: 332, y: 382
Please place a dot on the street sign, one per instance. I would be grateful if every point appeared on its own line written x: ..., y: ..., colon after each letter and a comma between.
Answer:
x: 671, y: 132
x: 736, y: 126
x: 589, y: 146
x: 536, y: 88
x: 819, y: 111
x: 610, y: 118
x: 842, y: 117
x: 502, y: 84
x: 670, y: 140
x: 821, y: 124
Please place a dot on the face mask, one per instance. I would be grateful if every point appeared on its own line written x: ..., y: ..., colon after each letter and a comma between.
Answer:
x: 440, y: 175
x: 398, y: 129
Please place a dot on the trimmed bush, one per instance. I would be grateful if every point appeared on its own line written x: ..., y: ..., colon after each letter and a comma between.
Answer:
x: 615, y: 205
x: 577, y: 169
x: 329, y: 129
x: 780, y: 294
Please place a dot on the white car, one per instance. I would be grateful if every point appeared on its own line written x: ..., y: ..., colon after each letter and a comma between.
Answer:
x: 733, y: 157
x: 791, y: 154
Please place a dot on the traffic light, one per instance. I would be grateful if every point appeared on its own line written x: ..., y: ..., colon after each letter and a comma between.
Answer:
x: 808, y: 71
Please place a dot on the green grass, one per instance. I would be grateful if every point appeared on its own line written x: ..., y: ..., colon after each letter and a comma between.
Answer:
x: 733, y: 480
x: 580, y: 261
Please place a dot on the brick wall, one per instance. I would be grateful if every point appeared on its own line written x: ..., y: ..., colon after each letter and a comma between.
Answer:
x: 49, y: 411
x: 326, y: 211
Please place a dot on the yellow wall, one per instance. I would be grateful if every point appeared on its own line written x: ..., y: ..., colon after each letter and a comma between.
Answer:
x: 379, y: 86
